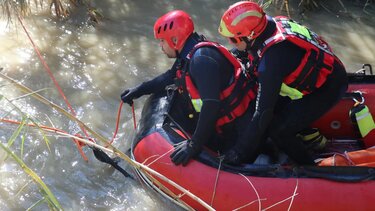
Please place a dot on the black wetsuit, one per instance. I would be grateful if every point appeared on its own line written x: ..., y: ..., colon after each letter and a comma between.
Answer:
x: 281, y: 117
x: 211, y: 72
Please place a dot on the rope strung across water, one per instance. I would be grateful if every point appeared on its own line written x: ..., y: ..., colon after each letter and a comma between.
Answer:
x: 46, y: 67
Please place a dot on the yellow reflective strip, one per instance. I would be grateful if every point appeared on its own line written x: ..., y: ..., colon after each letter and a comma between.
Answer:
x: 310, y: 137
x: 292, y: 93
x: 197, y: 104
x: 365, y: 121
x: 362, y: 116
x: 244, y: 15
x: 302, y: 30
x: 223, y: 30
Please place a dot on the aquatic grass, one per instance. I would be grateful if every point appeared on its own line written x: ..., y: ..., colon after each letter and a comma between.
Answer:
x: 15, y: 135
x: 21, y: 131
x: 23, y: 137
x: 17, y: 132
x: 36, y: 204
x: 25, y: 116
x: 46, y: 192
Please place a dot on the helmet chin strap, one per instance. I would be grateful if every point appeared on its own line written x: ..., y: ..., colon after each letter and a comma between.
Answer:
x: 249, y: 43
x: 177, y: 54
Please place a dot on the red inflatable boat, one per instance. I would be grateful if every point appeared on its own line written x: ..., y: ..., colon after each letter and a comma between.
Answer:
x: 348, y: 184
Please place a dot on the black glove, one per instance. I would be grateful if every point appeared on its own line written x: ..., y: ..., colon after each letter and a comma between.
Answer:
x: 128, y: 95
x: 184, y: 152
x: 232, y: 157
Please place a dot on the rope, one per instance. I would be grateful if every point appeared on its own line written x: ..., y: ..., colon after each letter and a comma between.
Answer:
x: 134, y: 120
x: 32, y: 125
x: 45, y: 127
x: 118, y: 121
x: 345, y: 156
x: 97, y: 149
x: 46, y: 67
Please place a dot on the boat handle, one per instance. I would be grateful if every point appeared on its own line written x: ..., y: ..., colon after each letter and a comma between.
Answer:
x: 361, y: 97
x: 363, y: 69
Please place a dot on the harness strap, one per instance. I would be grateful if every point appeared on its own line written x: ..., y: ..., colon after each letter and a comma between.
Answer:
x: 309, y: 83
x: 311, y: 61
x: 239, y: 92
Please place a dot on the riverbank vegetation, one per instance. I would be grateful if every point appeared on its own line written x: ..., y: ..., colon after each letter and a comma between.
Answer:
x: 58, y: 8
x: 63, y: 8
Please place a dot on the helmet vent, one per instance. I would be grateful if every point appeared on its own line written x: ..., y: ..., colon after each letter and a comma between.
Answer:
x: 171, y: 25
x: 159, y: 29
x: 165, y: 27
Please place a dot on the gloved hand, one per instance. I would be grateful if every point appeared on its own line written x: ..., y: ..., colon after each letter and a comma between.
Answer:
x: 128, y: 95
x: 184, y: 152
x: 232, y: 157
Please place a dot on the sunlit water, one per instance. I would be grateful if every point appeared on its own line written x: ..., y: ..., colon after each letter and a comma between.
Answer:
x: 93, y: 66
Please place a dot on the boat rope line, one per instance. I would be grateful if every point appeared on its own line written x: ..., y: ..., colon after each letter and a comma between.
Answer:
x: 46, y: 67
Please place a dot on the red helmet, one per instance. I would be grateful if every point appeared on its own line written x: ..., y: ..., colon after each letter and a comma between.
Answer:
x: 176, y: 24
x: 243, y: 19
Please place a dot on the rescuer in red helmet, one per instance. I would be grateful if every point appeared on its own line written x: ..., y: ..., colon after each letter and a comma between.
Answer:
x: 207, y: 74
x: 298, y: 74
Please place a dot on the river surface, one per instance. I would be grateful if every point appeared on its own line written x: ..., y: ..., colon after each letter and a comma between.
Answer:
x: 93, y: 66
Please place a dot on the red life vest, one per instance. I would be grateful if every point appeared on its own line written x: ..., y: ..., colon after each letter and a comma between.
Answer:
x: 234, y: 99
x: 318, y: 61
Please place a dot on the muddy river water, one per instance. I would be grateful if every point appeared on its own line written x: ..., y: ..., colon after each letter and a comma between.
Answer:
x: 93, y: 65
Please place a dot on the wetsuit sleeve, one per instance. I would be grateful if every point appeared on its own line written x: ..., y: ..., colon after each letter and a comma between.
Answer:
x: 207, y: 68
x: 158, y: 83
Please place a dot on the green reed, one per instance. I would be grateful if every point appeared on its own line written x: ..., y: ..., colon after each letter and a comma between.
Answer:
x: 21, y: 132
x: 48, y: 196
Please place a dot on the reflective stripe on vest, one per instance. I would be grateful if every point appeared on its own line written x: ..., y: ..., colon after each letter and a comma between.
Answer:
x: 317, y: 63
x: 197, y: 104
x: 292, y: 93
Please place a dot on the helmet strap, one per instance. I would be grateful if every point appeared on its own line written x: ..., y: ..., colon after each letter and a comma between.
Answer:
x: 177, y: 54
x: 249, y: 43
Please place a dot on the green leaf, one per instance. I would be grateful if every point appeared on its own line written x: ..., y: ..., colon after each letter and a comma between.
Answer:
x: 43, y: 187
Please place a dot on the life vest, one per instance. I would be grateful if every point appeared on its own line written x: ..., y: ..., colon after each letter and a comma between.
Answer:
x: 316, y: 64
x: 234, y: 99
